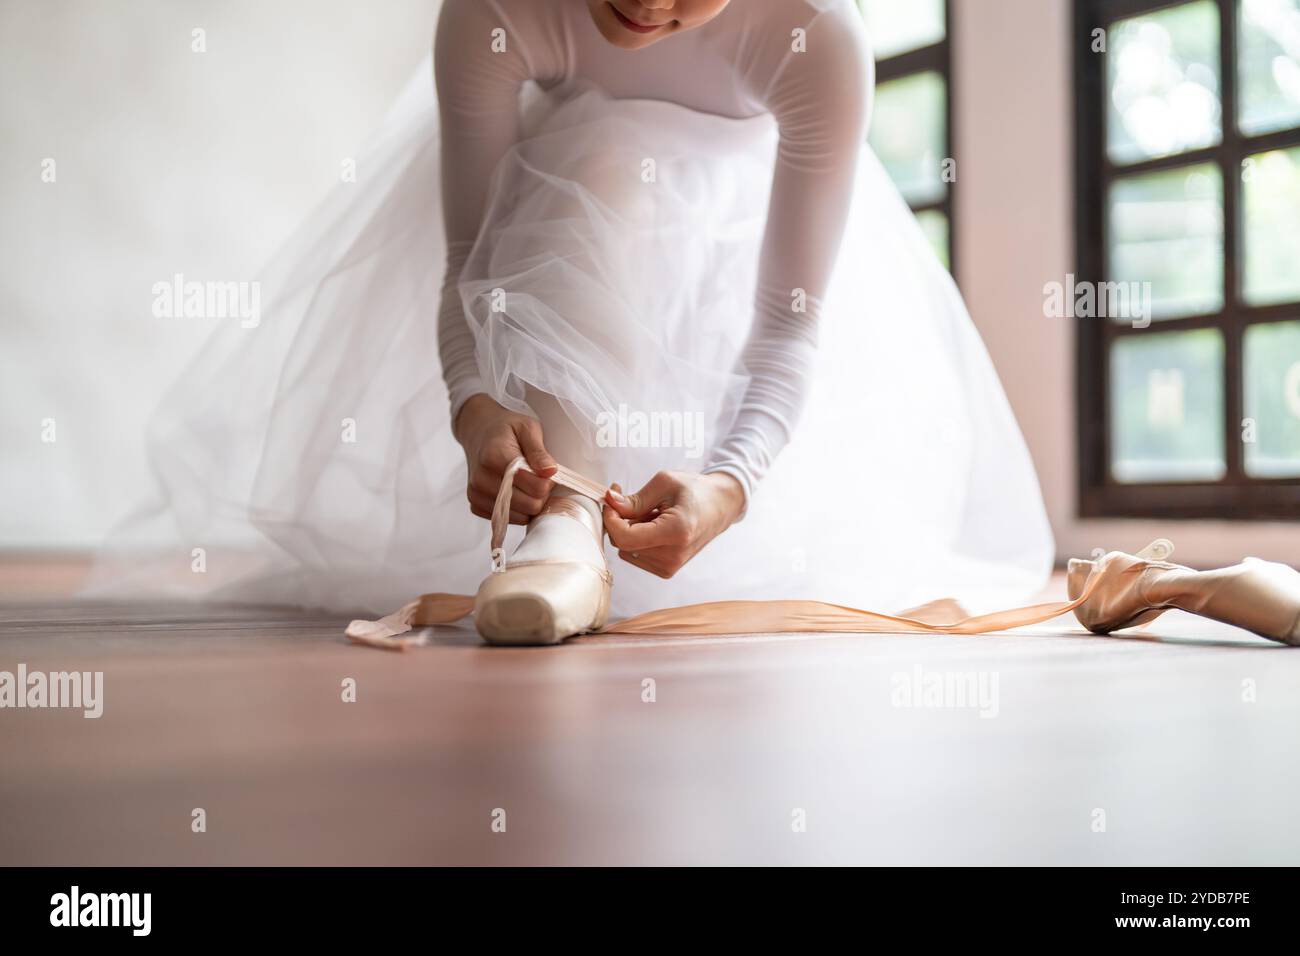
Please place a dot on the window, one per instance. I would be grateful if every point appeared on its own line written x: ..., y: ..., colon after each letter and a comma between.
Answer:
x: 911, y: 124
x: 1188, y: 174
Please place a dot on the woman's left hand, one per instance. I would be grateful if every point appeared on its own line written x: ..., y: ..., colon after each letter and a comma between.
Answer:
x: 667, y: 522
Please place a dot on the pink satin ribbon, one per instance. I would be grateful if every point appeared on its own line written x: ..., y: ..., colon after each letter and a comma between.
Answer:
x: 716, y: 618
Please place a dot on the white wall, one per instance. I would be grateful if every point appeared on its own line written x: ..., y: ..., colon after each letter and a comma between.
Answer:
x: 167, y: 161
x: 1014, y: 146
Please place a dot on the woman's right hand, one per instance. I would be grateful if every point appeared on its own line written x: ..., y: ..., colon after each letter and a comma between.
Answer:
x: 493, y: 437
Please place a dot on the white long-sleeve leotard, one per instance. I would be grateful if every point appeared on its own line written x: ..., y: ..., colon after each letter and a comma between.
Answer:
x: 806, y: 62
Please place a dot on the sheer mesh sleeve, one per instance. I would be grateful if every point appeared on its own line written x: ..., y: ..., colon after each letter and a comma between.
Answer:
x: 821, y: 100
x: 479, y: 67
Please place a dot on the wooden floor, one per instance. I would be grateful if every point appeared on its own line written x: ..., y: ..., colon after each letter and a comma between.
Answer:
x: 240, y: 713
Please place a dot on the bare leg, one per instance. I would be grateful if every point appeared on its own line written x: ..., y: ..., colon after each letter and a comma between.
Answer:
x: 565, y: 443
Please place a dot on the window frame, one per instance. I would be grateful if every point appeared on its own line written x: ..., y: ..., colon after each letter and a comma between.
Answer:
x: 1236, y: 496
x: 933, y: 58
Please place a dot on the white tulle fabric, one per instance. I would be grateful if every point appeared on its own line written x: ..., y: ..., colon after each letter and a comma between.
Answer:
x: 906, y: 480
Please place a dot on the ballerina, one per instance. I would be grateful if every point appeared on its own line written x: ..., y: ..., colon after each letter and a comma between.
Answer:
x: 662, y: 208
x: 808, y: 67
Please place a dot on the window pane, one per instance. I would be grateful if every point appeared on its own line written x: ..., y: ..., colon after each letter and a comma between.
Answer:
x: 1272, y: 228
x: 1271, y: 432
x: 1269, y: 65
x: 908, y: 134
x: 1163, y: 76
x: 1166, y: 228
x: 935, y: 226
x: 1166, y: 401
x: 896, y: 26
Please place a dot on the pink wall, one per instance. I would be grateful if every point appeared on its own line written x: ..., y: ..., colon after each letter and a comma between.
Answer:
x: 1014, y: 107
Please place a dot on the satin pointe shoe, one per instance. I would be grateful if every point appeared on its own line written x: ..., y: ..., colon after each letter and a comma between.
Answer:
x: 557, y: 583
x: 1125, y: 590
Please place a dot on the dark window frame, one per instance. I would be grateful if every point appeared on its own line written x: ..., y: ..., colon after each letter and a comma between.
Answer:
x: 1236, y: 496
x: 934, y: 58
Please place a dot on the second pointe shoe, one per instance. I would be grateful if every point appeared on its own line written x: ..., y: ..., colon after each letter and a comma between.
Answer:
x: 555, y: 585
x: 1125, y: 590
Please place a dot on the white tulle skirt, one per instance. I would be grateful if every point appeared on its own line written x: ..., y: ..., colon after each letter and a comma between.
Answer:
x: 310, y: 460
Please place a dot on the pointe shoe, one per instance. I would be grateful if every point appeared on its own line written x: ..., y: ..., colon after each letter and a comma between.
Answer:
x: 1128, y: 590
x: 544, y: 600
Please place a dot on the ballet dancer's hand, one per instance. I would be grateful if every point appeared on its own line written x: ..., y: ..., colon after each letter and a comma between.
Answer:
x: 493, y: 437
x: 667, y: 522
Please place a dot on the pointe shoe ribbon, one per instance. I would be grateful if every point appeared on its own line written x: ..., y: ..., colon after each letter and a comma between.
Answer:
x: 714, y: 618
x: 1121, y: 590
x: 564, y: 477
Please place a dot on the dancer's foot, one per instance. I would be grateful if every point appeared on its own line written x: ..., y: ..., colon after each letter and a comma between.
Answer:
x: 555, y: 585
x: 1128, y: 590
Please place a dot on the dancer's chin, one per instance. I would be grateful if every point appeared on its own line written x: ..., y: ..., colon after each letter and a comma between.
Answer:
x: 622, y: 31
